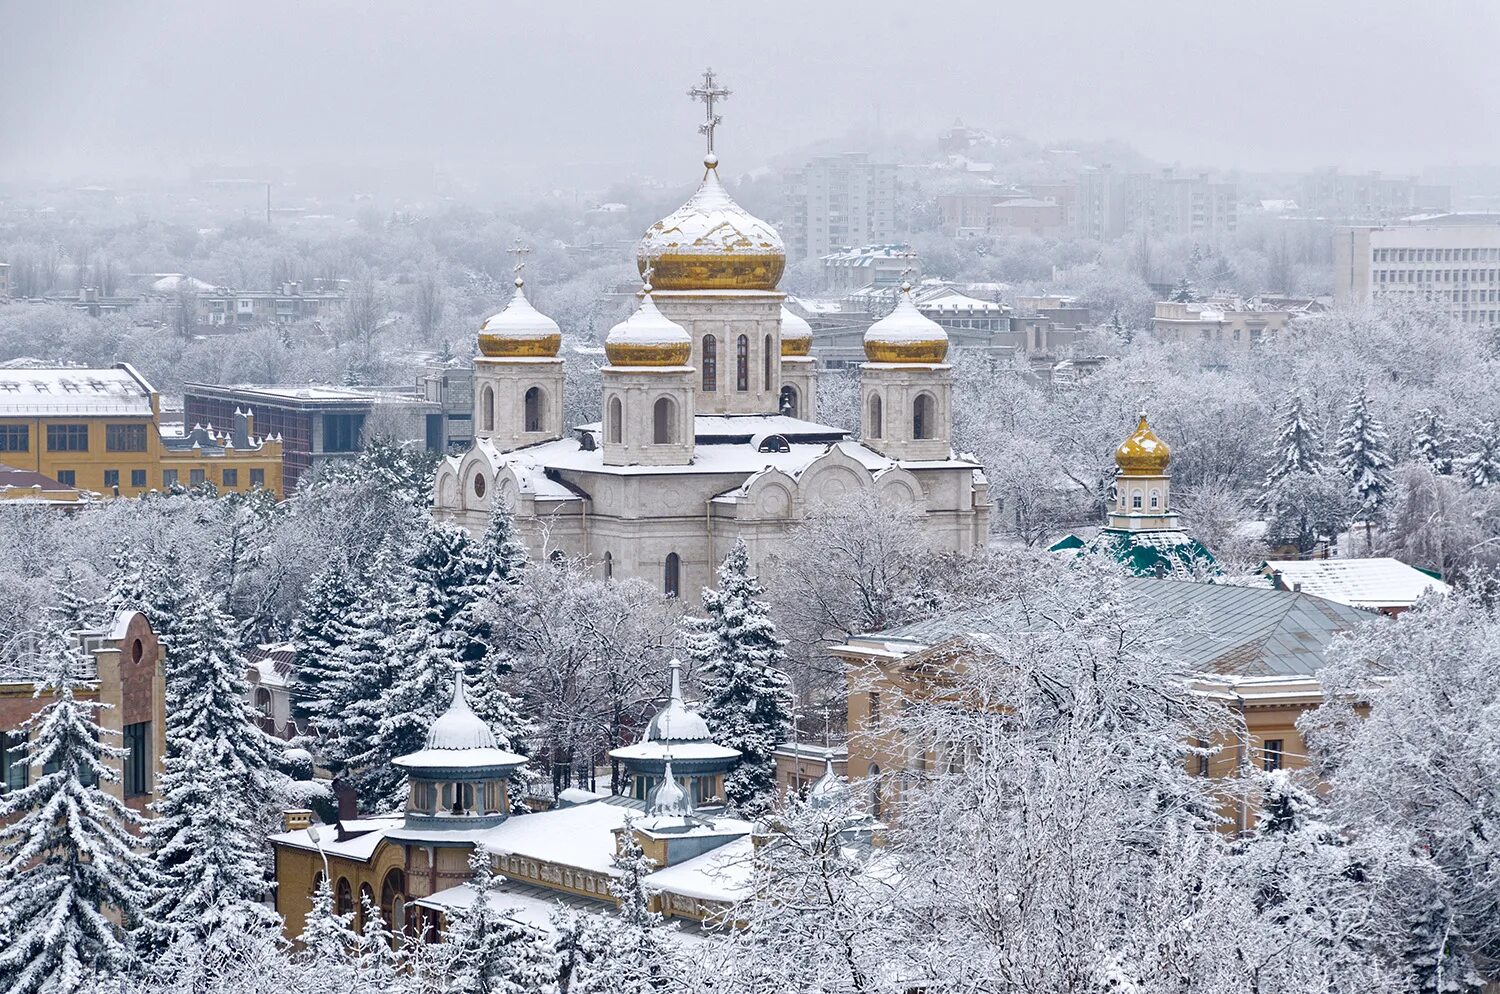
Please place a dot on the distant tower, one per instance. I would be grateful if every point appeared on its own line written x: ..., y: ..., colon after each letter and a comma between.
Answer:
x: 677, y: 735
x: 648, y: 390
x: 715, y: 269
x: 799, y: 370
x: 518, y: 378
x: 1142, y: 486
x: 906, y: 389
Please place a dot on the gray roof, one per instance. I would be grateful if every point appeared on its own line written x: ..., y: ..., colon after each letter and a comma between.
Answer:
x: 1226, y: 630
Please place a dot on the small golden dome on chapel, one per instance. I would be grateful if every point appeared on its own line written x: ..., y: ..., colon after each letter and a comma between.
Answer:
x: 1143, y: 454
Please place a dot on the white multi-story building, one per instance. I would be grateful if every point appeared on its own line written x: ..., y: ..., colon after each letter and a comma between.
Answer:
x: 839, y: 201
x: 710, y: 432
x: 1450, y: 258
x: 1227, y: 321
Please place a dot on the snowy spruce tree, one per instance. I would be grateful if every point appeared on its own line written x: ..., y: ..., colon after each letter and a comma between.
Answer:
x: 491, y: 953
x: 1296, y: 449
x: 1433, y: 442
x: 322, y: 626
x: 328, y: 939
x: 746, y: 695
x: 1481, y: 467
x: 71, y: 880
x: 1364, y: 460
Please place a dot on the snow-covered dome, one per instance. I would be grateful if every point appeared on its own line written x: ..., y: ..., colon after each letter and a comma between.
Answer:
x: 459, y: 727
x: 829, y: 788
x: 796, y: 334
x: 1143, y: 453
x: 906, y: 335
x: 712, y: 243
x: 519, y: 331
x: 668, y: 799
x: 675, y: 723
x: 648, y: 338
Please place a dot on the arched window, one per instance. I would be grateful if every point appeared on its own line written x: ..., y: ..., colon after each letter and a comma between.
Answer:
x: 1135, y: 500
x: 609, y: 566
x: 742, y: 363
x: 710, y: 363
x: 877, y: 417
x: 263, y: 709
x: 921, y: 416
x: 788, y: 403
x: 343, y: 899
x: 672, y: 575
x: 616, y: 418
x: 876, y: 802
x: 317, y: 882
x: 366, y: 899
x: 487, y: 408
x: 534, y: 402
x: 1155, y: 499
x: 768, y: 362
x: 393, y: 901
x: 664, y: 421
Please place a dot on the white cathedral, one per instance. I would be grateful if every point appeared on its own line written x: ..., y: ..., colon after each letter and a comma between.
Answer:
x: 710, y: 430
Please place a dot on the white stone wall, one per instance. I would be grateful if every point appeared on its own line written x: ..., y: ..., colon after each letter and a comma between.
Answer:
x: 630, y: 399
x: 801, y: 374
x: 726, y: 315
x: 898, y: 385
x: 500, y: 387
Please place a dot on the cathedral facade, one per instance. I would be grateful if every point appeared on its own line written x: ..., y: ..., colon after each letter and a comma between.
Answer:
x: 710, y: 430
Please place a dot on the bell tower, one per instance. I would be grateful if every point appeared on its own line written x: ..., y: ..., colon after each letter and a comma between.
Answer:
x: 648, y: 390
x: 905, y: 387
x: 518, y: 378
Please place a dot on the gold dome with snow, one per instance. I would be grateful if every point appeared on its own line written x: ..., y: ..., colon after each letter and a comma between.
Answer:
x: 712, y: 243
x: 796, y: 334
x: 1143, y: 453
x: 648, y: 338
x: 906, y: 335
x: 520, y: 331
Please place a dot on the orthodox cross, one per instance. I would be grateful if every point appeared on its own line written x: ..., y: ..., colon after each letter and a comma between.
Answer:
x: 646, y: 275
x: 709, y: 91
x: 520, y: 251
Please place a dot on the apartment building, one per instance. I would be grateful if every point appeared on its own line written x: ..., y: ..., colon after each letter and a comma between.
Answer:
x: 1453, y: 259
x: 837, y: 201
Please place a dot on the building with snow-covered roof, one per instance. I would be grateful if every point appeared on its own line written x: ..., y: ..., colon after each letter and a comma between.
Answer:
x: 1227, y: 321
x: 1376, y: 584
x: 710, y: 429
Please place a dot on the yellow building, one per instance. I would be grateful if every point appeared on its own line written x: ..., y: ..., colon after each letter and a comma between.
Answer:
x: 100, y: 431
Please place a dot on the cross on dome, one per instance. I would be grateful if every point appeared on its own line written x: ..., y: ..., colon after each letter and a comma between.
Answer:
x: 520, y: 251
x: 709, y: 91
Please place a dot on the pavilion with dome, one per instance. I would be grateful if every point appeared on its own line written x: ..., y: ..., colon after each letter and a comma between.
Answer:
x: 709, y: 431
x: 1142, y: 530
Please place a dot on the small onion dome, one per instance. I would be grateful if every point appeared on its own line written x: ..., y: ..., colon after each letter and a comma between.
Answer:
x: 459, y: 727
x: 675, y: 723
x: 668, y: 798
x: 829, y: 788
x: 712, y: 243
x: 906, y: 335
x: 519, y: 331
x: 1143, y: 453
x: 796, y: 334
x: 648, y: 338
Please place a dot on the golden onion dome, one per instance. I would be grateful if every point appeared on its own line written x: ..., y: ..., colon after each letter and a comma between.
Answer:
x: 796, y: 334
x: 712, y: 243
x: 906, y: 335
x: 520, y: 331
x: 648, y: 338
x: 1143, y: 454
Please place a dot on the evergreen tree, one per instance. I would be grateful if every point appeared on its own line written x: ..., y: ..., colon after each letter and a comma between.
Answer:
x: 149, y: 586
x: 209, y: 854
x: 1435, y: 961
x: 746, y: 696
x: 380, y: 960
x: 1364, y: 462
x: 628, y: 886
x: 71, y: 883
x: 490, y: 953
x: 1296, y: 450
x: 1183, y: 292
x: 328, y: 938
x: 1433, y: 442
x: 1481, y: 467
x: 322, y: 626
x: 72, y: 608
x: 419, y: 690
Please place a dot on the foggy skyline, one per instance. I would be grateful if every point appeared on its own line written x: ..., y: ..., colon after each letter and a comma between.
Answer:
x: 597, y: 90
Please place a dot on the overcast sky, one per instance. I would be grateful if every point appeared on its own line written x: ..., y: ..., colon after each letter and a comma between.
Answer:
x: 95, y: 89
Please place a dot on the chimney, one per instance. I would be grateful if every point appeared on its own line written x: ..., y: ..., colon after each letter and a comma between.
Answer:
x: 244, y: 428
x: 295, y: 819
x: 348, y: 800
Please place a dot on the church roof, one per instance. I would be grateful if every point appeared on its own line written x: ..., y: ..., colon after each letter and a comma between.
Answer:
x: 1217, y: 629
x: 1369, y: 583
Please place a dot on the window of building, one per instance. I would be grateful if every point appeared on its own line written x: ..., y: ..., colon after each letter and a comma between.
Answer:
x: 257, y: 478
x: 617, y: 414
x: 672, y: 575
x: 138, y: 478
x: 664, y: 421
x: 112, y: 478
x: 67, y: 438
x: 874, y: 717
x: 168, y: 478
x: 877, y: 803
x: 137, y: 742
x: 921, y: 416
x: 1155, y: 499
x: 67, y: 477
x: 196, y: 477
x: 231, y: 478
x: 479, y: 485
x: 710, y: 363
x: 13, y: 775
x: 341, y: 432
x: 1135, y: 500
x: 15, y: 438
x: 767, y: 357
x: 1271, y: 754
x: 344, y: 897
x: 788, y: 404
x: 487, y: 409
x: 125, y: 438
x: 742, y: 363
x: 532, y: 409
x: 877, y: 419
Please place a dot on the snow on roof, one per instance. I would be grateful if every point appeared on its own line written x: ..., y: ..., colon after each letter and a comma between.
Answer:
x: 581, y: 836
x: 710, y: 223
x: 647, y: 326
x: 688, y: 751
x: 725, y: 874
x: 1369, y: 583
x: 118, y: 391
x: 360, y: 847
x: 906, y: 324
x: 534, y: 906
